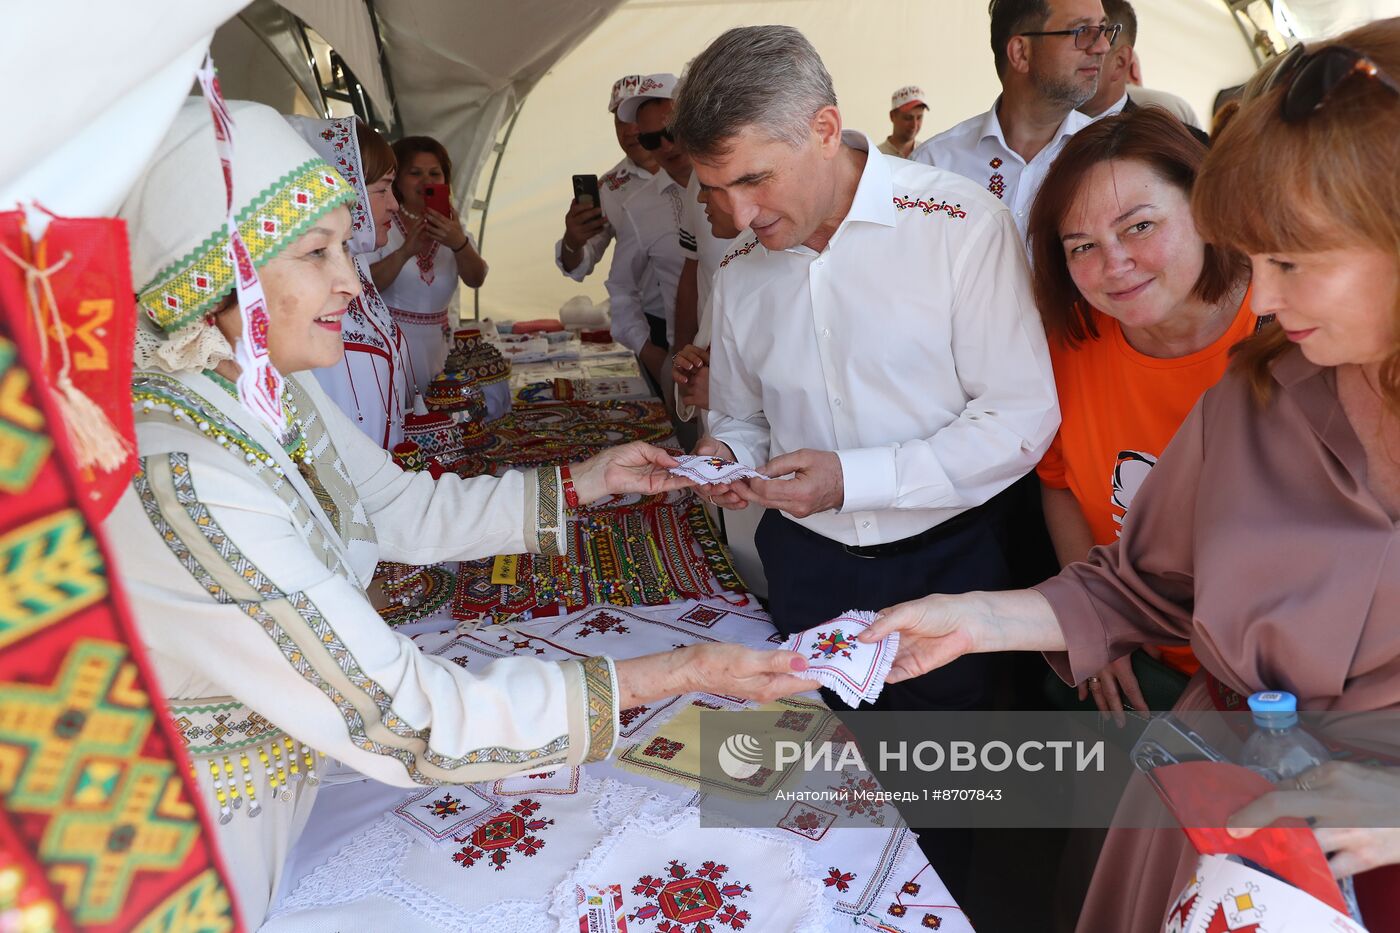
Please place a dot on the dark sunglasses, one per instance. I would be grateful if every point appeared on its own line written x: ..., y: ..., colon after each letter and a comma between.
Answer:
x: 1085, y: 37
x: 652, y: 141
x: 1312, y: 77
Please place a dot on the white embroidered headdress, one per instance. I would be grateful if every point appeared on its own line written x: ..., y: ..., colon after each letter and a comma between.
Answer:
x: 176, y: 217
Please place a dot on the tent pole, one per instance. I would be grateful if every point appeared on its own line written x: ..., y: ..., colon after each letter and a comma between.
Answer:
x: 485, y: 205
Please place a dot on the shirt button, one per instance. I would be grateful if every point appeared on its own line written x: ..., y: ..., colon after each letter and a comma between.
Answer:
x: 865, y: 524
x: 826, y: 331
x: 836, y: 402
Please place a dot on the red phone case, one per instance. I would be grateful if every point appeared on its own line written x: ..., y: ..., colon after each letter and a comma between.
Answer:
x: 436, y: 197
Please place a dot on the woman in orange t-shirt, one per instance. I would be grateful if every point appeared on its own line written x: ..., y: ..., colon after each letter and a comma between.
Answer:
x: 1141, y: 315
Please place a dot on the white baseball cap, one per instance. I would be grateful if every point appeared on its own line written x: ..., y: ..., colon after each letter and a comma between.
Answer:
x: 623, y: 88
x: 907, y: 98
x: 653, y: 87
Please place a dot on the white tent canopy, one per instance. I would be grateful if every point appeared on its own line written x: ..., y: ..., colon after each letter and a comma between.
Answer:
x: 91, y: 87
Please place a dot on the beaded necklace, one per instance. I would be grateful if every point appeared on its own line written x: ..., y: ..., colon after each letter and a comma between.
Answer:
x: 292, y: 436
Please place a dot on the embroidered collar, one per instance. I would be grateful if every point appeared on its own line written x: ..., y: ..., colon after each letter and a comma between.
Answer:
x: 1073, y: 122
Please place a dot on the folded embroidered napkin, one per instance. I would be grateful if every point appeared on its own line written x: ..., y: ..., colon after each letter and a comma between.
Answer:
x: 708, y: 470
x: 854, y: 669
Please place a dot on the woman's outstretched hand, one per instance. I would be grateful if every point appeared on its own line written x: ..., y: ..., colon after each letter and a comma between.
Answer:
x: 936, y: 630
x: 632, y: 468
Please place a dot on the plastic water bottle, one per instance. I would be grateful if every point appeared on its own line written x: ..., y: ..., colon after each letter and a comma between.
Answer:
x: 1280, y: 750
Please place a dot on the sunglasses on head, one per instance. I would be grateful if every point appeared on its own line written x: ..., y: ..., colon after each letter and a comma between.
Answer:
x: 1312, y: 77
x: 652, y: 141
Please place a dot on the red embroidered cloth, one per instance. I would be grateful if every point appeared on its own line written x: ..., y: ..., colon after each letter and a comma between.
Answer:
x: 99, y: 821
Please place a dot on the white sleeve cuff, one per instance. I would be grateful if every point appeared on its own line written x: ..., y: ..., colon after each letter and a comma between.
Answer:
x: 870, y: 479
x: 579, y: 271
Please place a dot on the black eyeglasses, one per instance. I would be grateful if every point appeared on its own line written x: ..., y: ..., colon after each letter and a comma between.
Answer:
x: 652, y: 141
x: 1312, y: 77
x: 1085, y: 37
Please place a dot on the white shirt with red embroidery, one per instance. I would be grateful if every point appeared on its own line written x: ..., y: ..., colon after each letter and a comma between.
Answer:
x: 911, y: 346
x: 977, y: 149
x: 614, y: 187
x: 648, y: 239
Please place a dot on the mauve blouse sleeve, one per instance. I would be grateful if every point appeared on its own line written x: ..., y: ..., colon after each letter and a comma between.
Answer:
x: 1140, y: 589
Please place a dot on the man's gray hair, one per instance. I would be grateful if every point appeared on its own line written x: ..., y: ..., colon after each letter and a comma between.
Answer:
x: 767, y: 77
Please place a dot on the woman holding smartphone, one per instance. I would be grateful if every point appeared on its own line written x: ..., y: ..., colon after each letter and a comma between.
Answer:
x: 427, y: 254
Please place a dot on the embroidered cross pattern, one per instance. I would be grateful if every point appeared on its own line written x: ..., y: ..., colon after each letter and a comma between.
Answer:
x: 827, y: 646
x: 663, y: 748
x: 860, y: 797
x: 601, y: 624
x: 686, y: 902
x: 495, y: 840
x: 447, y: 806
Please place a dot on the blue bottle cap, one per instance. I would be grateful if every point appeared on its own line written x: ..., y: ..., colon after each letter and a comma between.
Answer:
x: 1274, y: 709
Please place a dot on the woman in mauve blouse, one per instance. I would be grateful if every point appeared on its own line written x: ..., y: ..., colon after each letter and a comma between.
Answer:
x: 1265, y: 537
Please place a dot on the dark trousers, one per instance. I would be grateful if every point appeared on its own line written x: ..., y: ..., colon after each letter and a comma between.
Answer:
x: 812, y: 579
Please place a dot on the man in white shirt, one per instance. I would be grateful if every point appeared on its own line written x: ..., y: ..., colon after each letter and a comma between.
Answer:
x: 1114, y: 95
x: 907, y: 110
x: 587, y: 232
x: 874, y: 337
x: 1048, y: 54
x: 648, y: 233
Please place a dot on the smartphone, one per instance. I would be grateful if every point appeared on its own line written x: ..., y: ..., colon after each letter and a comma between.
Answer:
x: 437, y: 198
x: 1169, y: 741
x: 586, y: 190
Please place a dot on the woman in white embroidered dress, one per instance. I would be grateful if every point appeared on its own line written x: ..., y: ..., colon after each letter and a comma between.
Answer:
x: 427, y: 254
x: 371, y: 383
x: 245, y: 551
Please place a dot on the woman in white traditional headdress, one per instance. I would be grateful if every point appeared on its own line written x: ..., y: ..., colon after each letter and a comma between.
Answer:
x: 426, y: 255
x: 245, y: 551
x: 372, y: 382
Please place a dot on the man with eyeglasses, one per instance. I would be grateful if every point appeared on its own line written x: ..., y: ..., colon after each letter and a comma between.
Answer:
x: 1048, y: 55
x: 648, y: 233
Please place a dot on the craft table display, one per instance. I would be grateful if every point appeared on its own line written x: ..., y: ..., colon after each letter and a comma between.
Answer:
x: 646, y: 554
x: 509, y: 855
x: 566, y: 432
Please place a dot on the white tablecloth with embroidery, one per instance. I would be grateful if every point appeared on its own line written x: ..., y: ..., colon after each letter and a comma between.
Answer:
x: 497, y: 857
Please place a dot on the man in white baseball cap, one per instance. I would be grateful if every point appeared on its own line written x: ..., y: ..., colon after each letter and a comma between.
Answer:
x: 907, y: 108
x: 648, y: 233
x: 587, y: 232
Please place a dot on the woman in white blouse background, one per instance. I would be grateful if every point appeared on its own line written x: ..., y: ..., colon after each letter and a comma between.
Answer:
x: 428, y: 253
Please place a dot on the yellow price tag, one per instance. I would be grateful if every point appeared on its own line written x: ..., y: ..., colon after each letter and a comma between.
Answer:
x: 504, y: 569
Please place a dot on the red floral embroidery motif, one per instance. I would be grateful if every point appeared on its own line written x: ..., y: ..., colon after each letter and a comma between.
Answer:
x: 911, y: 888
x: 682, y: 902
x: 663, y: 748
x: 933, y: 922
x: 495, y: 840
x: 997, y: 185
x: 628, y: 716
x: 836, y: 878
x: 995, y: 163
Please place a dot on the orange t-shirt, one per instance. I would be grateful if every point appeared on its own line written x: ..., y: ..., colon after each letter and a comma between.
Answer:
x: 1118, y: 410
